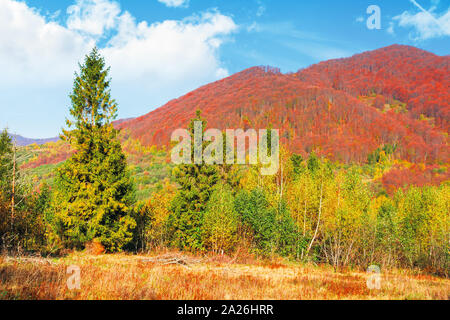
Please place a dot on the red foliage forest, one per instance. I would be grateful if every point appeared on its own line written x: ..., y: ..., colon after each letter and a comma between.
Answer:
x: 321, y: 108
x: 343, y: 109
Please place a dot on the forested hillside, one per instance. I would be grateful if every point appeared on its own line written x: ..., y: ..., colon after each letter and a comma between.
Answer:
x: 348, y: 110
x: 343, y: 109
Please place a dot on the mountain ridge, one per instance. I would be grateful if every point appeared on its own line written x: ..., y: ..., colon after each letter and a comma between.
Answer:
x: 24, y: 141
x: 336, y: 107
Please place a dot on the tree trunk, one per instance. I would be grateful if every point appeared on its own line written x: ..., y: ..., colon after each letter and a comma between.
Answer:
x: 13, y: 196
x: 318, y: 220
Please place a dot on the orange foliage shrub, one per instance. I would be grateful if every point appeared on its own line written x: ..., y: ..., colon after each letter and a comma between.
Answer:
x: 95, y: 248
x: 417, y: 175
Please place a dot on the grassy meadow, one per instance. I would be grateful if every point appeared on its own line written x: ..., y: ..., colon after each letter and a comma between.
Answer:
x: 131, y: 277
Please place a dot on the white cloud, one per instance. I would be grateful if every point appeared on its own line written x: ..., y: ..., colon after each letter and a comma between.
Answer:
x: 34, y: 51
x: 150, y: 62
x: 175, y: 3
x: 426, y: 24
x: 169, y: 58
x: 93, y: 16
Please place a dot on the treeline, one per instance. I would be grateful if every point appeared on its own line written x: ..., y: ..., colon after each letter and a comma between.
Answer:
x: 311, y: 210
x: 22, y: 211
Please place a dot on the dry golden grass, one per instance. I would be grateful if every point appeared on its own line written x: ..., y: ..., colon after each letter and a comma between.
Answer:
x: 134, y: 277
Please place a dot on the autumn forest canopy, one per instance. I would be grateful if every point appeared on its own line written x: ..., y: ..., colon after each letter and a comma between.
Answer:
x: 363, y: 176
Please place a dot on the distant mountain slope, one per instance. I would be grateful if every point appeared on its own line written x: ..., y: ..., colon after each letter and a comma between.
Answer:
x: 343, y: 109
x: 22, y: 141
x: 416, y: 77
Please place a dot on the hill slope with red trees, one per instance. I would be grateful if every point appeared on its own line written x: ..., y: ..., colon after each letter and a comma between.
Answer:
x: 343, y: 109
x: 418, y: 78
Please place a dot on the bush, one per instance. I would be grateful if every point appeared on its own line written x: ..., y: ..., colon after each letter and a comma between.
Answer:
x: 220, y: 220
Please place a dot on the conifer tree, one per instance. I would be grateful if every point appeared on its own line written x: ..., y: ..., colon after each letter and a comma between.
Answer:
x: 255, y: 213
x: 94, y: 188
x: 196, y: 186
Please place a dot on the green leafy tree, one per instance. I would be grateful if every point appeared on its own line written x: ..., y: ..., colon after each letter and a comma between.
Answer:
x: 313, y: 163
x: 387, y: 229
x: 94, y: 187
x: 220, y: 221
x: 6, y: 163
x: 6, y: 166
x: 297, y: 164
x: 424, y: 222
x: 39, y: 216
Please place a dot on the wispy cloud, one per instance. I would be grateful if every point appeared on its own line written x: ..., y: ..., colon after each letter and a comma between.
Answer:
x: 93, y: 17
x: 284, y: 29
x: 318, y: 51
x: 309, y: 44
x: 426, y: 24
x: 175, y: 3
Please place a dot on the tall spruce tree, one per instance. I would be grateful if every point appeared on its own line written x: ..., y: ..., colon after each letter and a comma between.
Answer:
x: 95, y: 191
x: 188, y: 207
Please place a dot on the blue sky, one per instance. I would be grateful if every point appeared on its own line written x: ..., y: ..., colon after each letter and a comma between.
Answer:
x: 161, y: 49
